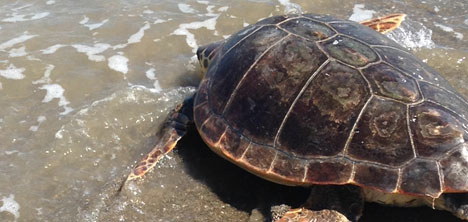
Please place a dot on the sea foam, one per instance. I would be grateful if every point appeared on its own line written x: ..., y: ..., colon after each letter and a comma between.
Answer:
x: 361, y: 14
x: 118, y: 63
x: 15, y: 17
x: 10, y: 43
x: 151, y: 74
x: 10, y: 206
x: 135, y: 38
x: 52, y: 49
x: 55, y: 91
x: 445, y: 28
x: 185, y: 8
x: 12, y: 72
x: 92, y: 51
x: 290, y: 8
x: 92, y: 26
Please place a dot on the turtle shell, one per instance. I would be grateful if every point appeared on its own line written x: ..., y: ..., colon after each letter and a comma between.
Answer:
x: 308, y: 99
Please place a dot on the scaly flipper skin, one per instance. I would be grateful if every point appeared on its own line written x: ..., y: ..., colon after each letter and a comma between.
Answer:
x: 173, y: 130
x: 386, y: 23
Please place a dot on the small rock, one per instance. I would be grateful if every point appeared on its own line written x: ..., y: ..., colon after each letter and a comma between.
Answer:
x: 256, y: 216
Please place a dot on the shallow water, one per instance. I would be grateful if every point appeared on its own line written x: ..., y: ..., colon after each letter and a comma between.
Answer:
x: 84, y: 86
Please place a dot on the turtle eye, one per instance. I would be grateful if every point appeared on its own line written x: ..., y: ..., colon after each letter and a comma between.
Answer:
x: 205, y: 62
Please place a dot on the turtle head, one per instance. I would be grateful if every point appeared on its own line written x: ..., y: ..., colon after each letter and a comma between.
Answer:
x: 206, y: 53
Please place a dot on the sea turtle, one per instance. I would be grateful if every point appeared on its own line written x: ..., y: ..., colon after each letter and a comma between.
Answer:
x: 309, y: 99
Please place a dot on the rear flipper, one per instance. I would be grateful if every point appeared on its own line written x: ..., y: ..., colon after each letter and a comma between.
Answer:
x: 172, y: 131
x: 386, y: 23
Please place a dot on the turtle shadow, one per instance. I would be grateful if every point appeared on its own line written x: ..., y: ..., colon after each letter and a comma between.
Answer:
x: 377, y: 212
x: 247, y: 192
x: 233, y: 185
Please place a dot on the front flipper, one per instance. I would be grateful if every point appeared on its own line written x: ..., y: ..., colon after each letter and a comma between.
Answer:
x: 172, y: 131
x: 386, y: 23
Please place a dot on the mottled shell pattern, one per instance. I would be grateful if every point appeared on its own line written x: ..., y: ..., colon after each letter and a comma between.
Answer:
x: 308, y: 99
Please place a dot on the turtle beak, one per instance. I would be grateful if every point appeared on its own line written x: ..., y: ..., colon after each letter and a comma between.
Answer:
x: 206, y: 53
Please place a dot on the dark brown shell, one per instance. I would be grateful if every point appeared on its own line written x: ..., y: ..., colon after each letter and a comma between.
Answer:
x: 316, y: 100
